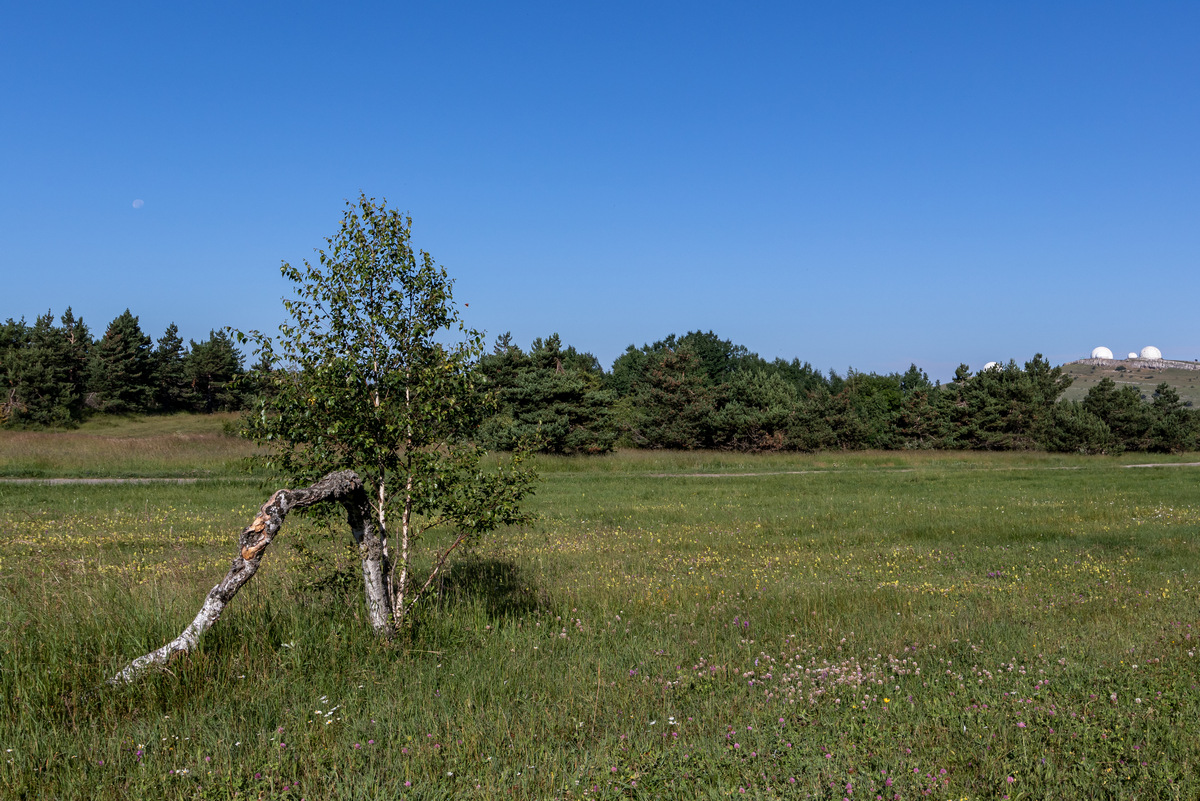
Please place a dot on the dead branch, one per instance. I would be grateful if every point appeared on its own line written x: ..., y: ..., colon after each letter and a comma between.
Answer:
x: 437, y: 569
x: 344, y: 487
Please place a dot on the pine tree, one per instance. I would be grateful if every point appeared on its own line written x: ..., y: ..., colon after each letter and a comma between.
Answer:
x: 77, y: 349
x: 760, y: 406
x: 42, y: 371
x: 122, y: 370
x: 550, y: 399
x: 1175, y: 427
x: 47, y: 393
x: 14, y: 339
x: 213, y: 368
x: 673, y: 405
x: 173, y: 391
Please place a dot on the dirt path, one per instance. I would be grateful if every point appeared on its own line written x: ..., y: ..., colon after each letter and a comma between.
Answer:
x: 1165, y: 464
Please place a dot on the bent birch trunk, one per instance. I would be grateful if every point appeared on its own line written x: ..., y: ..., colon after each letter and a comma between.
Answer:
x: 344, y: 487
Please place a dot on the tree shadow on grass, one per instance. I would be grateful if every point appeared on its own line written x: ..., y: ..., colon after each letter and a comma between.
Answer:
x: 500, y: 586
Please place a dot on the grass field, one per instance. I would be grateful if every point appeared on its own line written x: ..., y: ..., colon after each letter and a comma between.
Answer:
x: 853, y: 626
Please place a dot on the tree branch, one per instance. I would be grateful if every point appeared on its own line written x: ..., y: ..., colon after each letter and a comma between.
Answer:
x: 344, y: 487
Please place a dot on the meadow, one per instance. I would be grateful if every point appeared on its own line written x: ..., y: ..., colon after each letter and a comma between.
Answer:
x: 673, y: 625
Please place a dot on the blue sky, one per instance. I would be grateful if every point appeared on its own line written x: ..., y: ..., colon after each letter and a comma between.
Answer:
x: 855, y: 184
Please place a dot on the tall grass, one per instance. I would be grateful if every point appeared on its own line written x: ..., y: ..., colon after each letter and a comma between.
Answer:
x: 181, y: 445
x: 885, y: 626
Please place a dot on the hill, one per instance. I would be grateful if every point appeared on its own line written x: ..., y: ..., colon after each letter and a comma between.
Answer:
x: 1145, y: 375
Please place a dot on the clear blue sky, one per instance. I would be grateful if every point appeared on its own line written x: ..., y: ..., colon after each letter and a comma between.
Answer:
x: 853, y: 184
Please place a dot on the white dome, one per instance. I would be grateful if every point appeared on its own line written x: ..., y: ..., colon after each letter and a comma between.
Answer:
x: 989, y: 366
x: 1133, y: 356
x: 1101, y: 353
x: 1151, y: 352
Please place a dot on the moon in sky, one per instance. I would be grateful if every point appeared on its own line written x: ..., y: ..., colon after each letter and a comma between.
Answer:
x: 137, y: 204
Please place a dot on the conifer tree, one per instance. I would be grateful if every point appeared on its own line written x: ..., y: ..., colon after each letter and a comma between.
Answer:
x: 122, y: 371
x: 551, y: 399
x: 672, y: 403
x: 77, y: 349
x: 47, y: 392
x: 14, y: 338
x: 173, y: 391
x: 212, y: 368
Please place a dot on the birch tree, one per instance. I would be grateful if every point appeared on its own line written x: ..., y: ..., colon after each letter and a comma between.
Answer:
x: 374, y: 372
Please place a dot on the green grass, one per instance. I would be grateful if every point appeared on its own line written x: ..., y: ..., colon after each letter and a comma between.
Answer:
x: 873, y: 621
x: 1185, y: 382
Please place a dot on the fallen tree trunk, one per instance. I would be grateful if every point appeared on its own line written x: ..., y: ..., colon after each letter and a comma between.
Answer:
x: 344, y: 487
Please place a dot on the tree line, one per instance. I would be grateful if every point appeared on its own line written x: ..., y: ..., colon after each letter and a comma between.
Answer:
x: 694, y: 391
x: 700, y: 391
x: 53, y: 374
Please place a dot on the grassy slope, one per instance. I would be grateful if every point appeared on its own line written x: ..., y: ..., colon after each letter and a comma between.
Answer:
x: 1185, y: 382
x: 887, y: 617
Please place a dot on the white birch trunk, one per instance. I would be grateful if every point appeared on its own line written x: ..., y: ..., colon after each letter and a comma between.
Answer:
x: 372, y: 547
x: 344, y: 487
x: 405, y: 547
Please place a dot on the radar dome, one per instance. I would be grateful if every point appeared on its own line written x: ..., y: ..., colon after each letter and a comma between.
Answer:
x: 1151, y: 352
x: 1132, y: 356
x: 1101, y: 353
x: 990, y: 366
